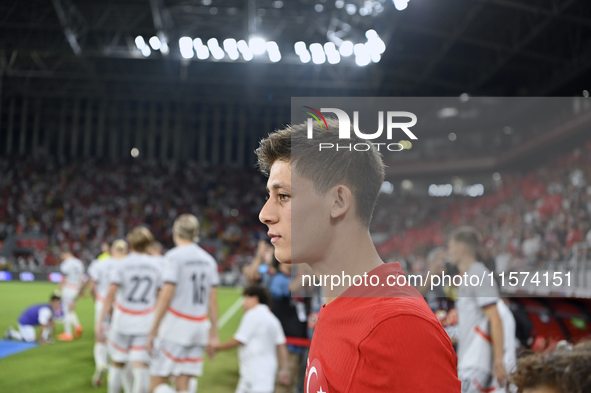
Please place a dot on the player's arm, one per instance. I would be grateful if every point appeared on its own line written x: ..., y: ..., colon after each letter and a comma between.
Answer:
x: 231, y: 343
x: 213, y: 314
x: 107, y: 307
x: 406, y: 354
x: 91, y: 287
x: 165, y: 296
x: 498, y: 343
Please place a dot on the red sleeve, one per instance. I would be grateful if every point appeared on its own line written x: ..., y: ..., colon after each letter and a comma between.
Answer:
x: 406, y: 354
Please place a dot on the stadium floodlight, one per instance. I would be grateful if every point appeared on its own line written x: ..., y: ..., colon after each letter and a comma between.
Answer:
x: 201, y: 50
x: 318, y: 56
x: 245, y: 50
x: 400, y: 5
x: 375, y: 57
x: 346, y: 48
x: 318, y: 8
x: 214, y: 48
x: 146, y: 51
x: 339, y: 4
x: 305, y: 57
x: 332, y: 54
x: 164, y: 49
x: 155, y: 43
x: 300, y: 47
x: 351, y: 9
x: 362, y: 55
x: 139, y: 42
x: 186, y: 47
x: 273, y: 51
x: 363, y: 11
x: 231, y: 48
x: 371, y: 34
x: 257, y: 45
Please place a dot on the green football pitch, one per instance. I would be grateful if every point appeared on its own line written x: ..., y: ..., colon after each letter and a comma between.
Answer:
x: 68, y: 366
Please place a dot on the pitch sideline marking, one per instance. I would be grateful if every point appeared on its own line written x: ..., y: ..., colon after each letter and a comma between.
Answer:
x: 230, y: 312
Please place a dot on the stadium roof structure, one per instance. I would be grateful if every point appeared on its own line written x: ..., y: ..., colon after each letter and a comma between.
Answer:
x: 91, y: 48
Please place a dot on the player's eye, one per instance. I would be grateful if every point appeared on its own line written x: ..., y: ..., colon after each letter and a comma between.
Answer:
x: 283, y: 197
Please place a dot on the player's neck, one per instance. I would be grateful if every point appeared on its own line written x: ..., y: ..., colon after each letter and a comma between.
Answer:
x: 348, y: 255
x: 183, y: 242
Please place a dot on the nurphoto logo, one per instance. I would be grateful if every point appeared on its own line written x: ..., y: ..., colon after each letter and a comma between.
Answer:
x: 392, y: 123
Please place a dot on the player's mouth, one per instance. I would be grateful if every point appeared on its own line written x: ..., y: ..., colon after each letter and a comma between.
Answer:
x: 273, y: 237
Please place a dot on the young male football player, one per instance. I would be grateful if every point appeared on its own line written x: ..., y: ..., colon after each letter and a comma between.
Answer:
x: 133, y: 288
x: 187, y: 299
x: 481, y: 337
x: 72, y: 269
x: 368, y: 338
x: 98, y: 272
x: 39, y: 315
x: 260, y: 341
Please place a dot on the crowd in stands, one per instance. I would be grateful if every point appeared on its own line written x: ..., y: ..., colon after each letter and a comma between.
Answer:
x: 84, y: 202
x: 530, y: 219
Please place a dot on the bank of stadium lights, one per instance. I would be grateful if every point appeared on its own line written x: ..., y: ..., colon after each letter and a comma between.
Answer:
x: 365, y: 53
x: 445, y: 190
x: 154, y: 43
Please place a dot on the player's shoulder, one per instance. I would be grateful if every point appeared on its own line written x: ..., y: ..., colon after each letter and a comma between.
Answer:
x: 389, y: 309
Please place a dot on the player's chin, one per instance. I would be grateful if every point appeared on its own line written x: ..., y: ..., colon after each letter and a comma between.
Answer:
x: 283, y: 256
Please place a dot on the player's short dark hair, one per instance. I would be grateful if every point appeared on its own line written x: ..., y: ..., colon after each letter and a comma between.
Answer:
x: 55, y: 297
x: 361, y: 171
x: 566, y: 370
x: 258, y: 291
x: 467, y: 235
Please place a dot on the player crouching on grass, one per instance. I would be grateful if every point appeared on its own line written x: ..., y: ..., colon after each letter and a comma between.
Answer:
x: 134, y: 284
x: 181, y: 330
x: 39, y: 315
x: 368, y: 339
x: 260, y: 340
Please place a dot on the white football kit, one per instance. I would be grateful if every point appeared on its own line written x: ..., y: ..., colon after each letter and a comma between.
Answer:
x: 99, y: 272
x: 184, y: 330
x: 73, y: 271
x: 139, y: 279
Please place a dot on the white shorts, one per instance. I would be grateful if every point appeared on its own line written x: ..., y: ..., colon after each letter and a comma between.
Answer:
x: 125, y: 348
x: 243, y: 387
x: 27, y: 332
x: 173, y: 359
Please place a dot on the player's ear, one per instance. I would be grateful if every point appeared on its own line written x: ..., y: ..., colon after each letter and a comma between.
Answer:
x: 342, y: 200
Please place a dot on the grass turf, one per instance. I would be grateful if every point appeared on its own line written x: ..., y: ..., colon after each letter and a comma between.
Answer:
x: 68, y: 366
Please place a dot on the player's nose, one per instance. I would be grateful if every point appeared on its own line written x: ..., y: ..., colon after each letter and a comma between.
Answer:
x: 268, y: 214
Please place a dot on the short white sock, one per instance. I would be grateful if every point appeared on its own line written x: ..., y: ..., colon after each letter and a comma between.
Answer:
x: 74, y: 317
x: 67, y: 321
x: 141, y: 380
x: 193, y: 385
x: 114, y: 380
x: 164, y: 388
x: 100, y: 356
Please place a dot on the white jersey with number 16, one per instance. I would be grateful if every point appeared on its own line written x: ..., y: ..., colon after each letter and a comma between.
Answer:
x: 139, y: 279
x: 194, y: 272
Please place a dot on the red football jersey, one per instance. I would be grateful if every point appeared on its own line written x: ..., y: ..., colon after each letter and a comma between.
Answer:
x: 389, y: 340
